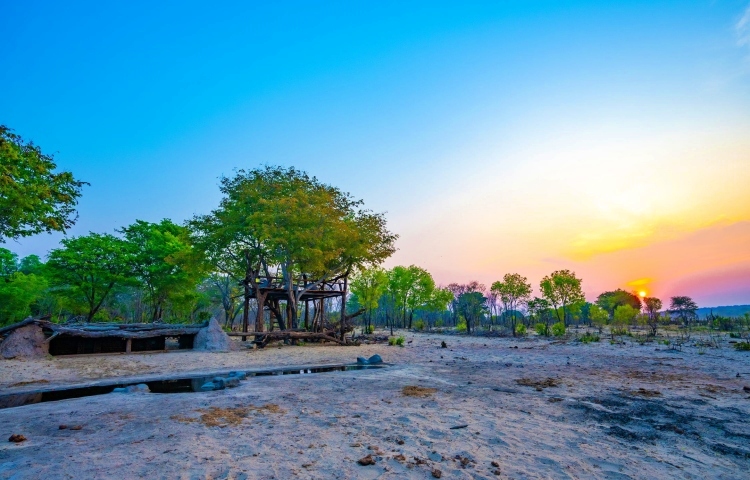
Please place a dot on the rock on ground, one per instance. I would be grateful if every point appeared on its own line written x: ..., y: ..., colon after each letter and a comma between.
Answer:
x: 212, y: 338
x: 25, y: 342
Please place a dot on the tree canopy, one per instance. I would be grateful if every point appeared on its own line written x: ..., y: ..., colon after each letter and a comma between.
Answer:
x: 609, y: 301
x: 88, y: 268
x: 562, y: 288
x: 33, y: 197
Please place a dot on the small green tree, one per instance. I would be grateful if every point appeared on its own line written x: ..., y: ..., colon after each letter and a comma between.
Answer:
x: 471, y: 306
x: 17, y: 295
x: 624, y: 316
x: 368, y: 286
x: 609, y: 301
x: 514, y: 290
x: 653, y: 306
x: 562, y: 288
x: 684, y: 308
x: 598, y: 316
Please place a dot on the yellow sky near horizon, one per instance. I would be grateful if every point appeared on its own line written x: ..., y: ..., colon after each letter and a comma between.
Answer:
x: 615, y: 207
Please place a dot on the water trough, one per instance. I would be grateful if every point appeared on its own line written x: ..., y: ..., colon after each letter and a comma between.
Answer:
x: 184, y: 383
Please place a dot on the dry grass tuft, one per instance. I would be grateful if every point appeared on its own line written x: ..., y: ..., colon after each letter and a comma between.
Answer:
x: 642, y: 392
x: 27, y: 382
x: 415, y: 391
x: 538, y: 384
x: 221, y: 417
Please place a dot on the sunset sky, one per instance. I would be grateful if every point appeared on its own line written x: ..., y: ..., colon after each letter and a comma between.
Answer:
x: 610, y: 138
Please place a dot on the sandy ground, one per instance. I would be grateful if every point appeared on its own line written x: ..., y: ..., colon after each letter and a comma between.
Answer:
x: 535, y: 408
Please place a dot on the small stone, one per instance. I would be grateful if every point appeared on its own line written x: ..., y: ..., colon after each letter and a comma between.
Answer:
x: 368, y: 460
x: 62, y: 427
x: 436, y: 473
x: 76, y: 427
x: 232, y: 382
x: 17, y: 438
x: 443, y: 345
x: 495, y: 464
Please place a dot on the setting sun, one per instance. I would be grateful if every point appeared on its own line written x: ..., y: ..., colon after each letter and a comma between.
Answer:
x: 642, y: 294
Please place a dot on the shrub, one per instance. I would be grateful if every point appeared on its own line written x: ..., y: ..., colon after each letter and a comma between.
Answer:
x: 461, y: 326
x: 734, y: 335
x: 393, y: 341
x: 541, y: 329
x: 521, y: 329
x: 419, y: 324
x: 439, y: 323
x: 742, y: 346
x: 558, y: 329
x: 370, y: 329
x: 619, y: 331
x: 589, y: 337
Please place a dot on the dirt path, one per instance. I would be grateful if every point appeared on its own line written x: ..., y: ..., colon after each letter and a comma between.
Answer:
x: 535, y: 409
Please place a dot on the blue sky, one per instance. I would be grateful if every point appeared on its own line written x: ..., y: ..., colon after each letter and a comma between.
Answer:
x: 475, y: 125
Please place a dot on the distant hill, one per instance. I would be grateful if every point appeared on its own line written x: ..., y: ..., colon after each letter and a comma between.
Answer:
x: 726, y: 311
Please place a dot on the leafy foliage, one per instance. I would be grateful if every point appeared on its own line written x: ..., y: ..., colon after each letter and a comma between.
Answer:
x: 562, y: 288
x: 558, y: 329
x: 33, y: 198
x: 88, y: 268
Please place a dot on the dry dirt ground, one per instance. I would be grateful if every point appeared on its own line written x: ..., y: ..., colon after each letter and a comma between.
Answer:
x: 526, y: 409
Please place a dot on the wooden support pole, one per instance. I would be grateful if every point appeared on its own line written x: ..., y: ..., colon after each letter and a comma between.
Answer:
x: 128, y: 345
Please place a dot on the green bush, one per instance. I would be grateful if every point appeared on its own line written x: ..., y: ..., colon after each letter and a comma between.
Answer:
x: 396, y: 341
x: 521, y: 329
x: 461, y: 326
x: 742, y: 346
x: 734, y: 335
x: 589, y: 337
x: 558, y: 329
x: 541, y: 329
x: 370, y: 329
x: 439, y: 323
x: 419, y: 324
x: 619, y: 331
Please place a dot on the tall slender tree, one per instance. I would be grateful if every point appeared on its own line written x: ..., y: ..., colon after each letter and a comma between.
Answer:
x: 514, y: 290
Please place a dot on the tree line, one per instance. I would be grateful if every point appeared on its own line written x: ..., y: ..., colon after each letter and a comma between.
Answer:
x: 272, y: 224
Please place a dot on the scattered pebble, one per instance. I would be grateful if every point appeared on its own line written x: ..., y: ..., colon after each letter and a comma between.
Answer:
x: 17, y: 438
x: 368, y: 460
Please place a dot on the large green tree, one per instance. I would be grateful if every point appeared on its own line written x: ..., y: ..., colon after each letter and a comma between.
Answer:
x: 87, y: 269
x: 33, y: 197
x: 514, y: 290
x: 163, y: 261
x: 280, y: 224
x: 562, y: 288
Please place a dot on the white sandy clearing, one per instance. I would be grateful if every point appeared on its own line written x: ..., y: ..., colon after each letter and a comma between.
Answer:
x: 535, y: 409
